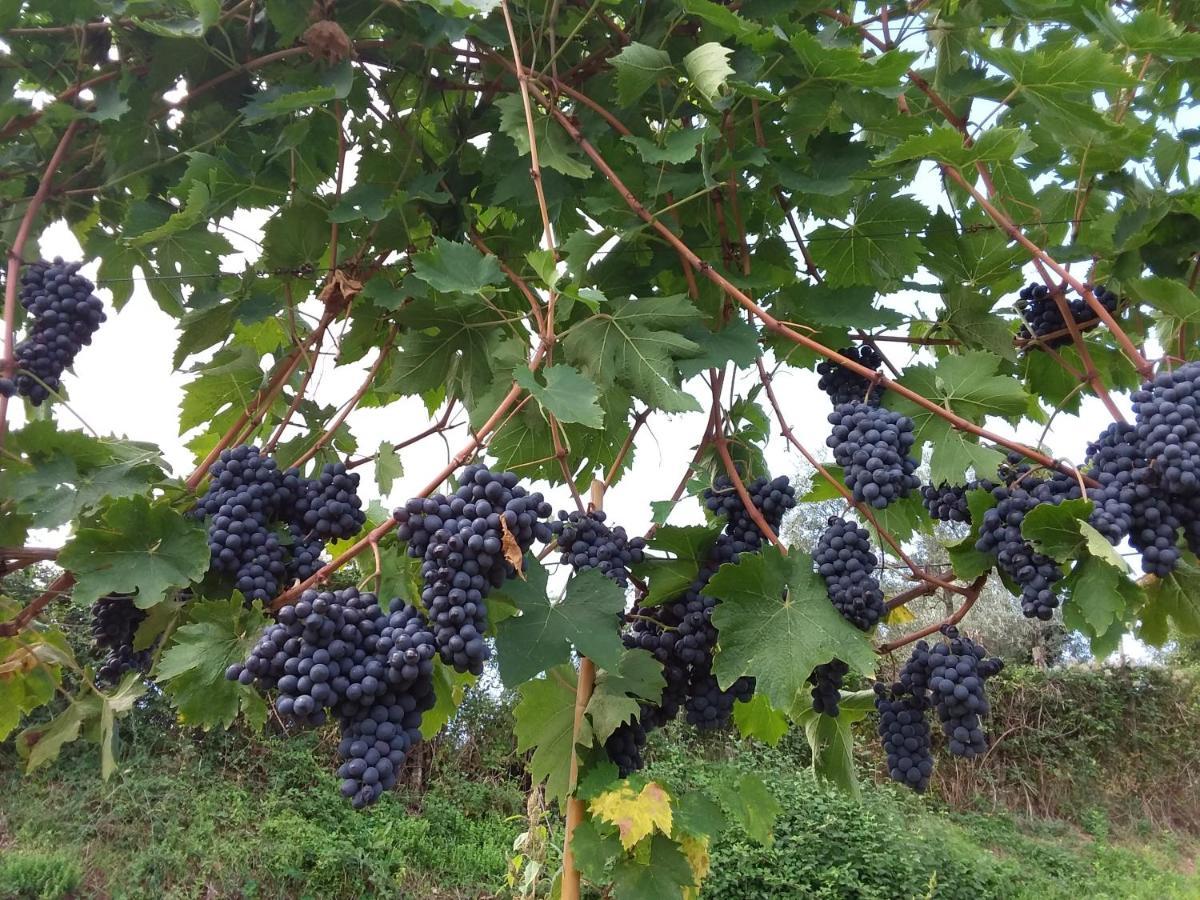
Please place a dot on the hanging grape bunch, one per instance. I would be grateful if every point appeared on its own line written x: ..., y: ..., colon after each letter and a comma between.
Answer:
x: 587, y: 542
x: 461, y: 540
x: 872, y: 446
x: 65, y: 313
x: 115, y: 621
x: 844, y: 385
x: 1042, y: 316
x: 337, y: 653
x: 328, y: 507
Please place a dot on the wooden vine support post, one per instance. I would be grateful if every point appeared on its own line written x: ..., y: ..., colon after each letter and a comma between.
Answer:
x: 583, y: 693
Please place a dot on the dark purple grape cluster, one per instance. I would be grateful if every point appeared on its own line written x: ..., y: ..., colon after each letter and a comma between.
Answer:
x: 845, y: 560
x: 827, y: 680
x: 65, y: 315
x: 904, y: 732
x: 1000, y: 534
x: 328, y: 507
x: 952, y: 674
x: 771, y: 497
x: 1041, y: 314
x: 587, y: 543
x: 708, y: 707
x: 872, y: 446
x: 1149, y: 472
x: 624, y: 746
x: 337, y: 653
x: 461, y: 539
x: 248, y: 496
x: 115, y: 620
x: 846, y: 386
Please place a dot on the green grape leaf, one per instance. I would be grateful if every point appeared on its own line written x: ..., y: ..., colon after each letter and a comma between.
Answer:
x: 689, y: 547
x: 677, y: 146
x: 635, y: 343
x: 544, y: 723
x: 847, y: 65
x: 555, y: 149
x: 737, y: 342
x: 594, y: 852
x: 615, y: 698
x: 567, y: 394
x: 638, y: 67
x: 449, y: 688
x: 1054, y: 528
x: 388, y: 466
x: 879, y: 248
x: 751, y: 805
x: 40, y: 744
x: 192, y: 668
x: 830, y: 740
x: 283, y: 99
x: 112, y: 706
x: 665, y: 873
x: 759, y: 719
x: 945, y: 144
x: 777, y: 624
x: 459, y: 268
x: 1095, y: 600
x: 1175, y: 598
x: 136, y: 548
x: 544, y: 633
x: 968, y: 562
x: 708, y: 69
x: 699, y: 815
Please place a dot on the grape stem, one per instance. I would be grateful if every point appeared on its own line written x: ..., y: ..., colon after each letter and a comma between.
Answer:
x: 57, y: 588
x: 972, y: 595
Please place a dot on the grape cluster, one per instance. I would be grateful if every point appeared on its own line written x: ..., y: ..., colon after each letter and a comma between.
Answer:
x: 461, y: 539
x: 1042, y: 316
x: 328, y: 507
x: 65, y: 316
x: 1149, y: 472
x: 115, y: 620
x: 950, y: 677
x: 680, y: 634
x: 338, y: 653
x: 845, y: 560
x: 1000, y: 534
x: 872, y: 446
x: 587, y: 543
x: 904, y: 731
x: 846, y: 386
x: 771, y: 497
x: 248, y: 496
x: 827, y: 680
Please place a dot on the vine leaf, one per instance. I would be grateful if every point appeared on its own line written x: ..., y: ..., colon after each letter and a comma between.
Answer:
x: 777, y: 624
x: 544, y: 723
x: 945, y: 144
x: 665, y: 873
x: 544, y: 633
x: 689, y: 546
x: 567, y: 394
x: 388, y: 467
x: 968, y: 562
x: 635, y: 343
x: 1177, y: 598
x: 879, y: 248
x: 281, y: 100
x: 737, y: 342
x: 638, y: 67
x: 757, y: 718
x: 555, y: 149
x: 456, y: 268
x: 137, y: 548
x: 751, y: 805
x: 708, y: 69
x: 831, y: 741
x: 846, y: 64
x: 615, y: 698
x: 636, y: 815
x: 192, y: 669
x: 449, y: 687
x: 594, y: 850
x: 116, y: 704
x: 1096, y: 599
x: 41, y: 744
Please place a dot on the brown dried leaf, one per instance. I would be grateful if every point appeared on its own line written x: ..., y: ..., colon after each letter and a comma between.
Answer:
x: 511, y: 550
x: 326, y: 41
x: 340, y: 289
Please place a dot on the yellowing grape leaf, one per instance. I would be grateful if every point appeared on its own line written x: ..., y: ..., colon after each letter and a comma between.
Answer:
x: 636, y: 815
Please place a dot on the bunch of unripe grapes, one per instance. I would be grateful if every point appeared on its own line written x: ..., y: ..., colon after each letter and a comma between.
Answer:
x: 65, y: 315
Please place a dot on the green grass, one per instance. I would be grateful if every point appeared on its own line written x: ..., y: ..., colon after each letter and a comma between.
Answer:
x: 232, y: 816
